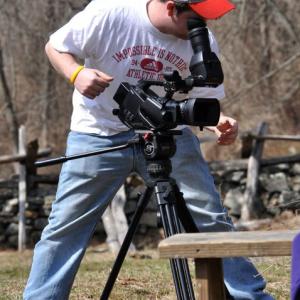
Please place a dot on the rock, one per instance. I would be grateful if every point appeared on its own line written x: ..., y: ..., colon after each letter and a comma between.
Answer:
x: 6, y: 217
x: 2, y: 240
x: 48, y: 200
x: 12, y: 229
x: 5, y: 195
x: 152, y: 205
x: 289, y: 200
x: 29, y: 222
x: 296, y: 169
x: 233, y: 201
x: 226, y: 186
x: 133, y: 192
x: 272, y: 205
x: 276, y: 168
x: 35, y: 201
x: 99, y: 228
x: 274, y: 211
x: 11, y: 206
x: 236, y: 176
x: 44, y: 212
x: 32, y: 206
x: 130, y: 207
x: 142, y: 229
x: 13, y: 241
x: 296, y: 183
x: 283, y: 167
x: 34, y: 237
x: 31, y: 214
x: 149, y: 219
x: 274, y: 183
x: 2, y: 229
x: 40, y: 223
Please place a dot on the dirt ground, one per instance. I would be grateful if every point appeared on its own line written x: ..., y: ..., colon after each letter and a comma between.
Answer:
x: 286, y: 221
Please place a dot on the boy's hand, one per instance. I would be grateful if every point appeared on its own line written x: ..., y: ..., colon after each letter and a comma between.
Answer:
x: 226, y: 130
x: 91, y: 82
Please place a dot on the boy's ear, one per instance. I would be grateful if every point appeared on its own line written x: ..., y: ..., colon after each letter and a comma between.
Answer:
x: 170, y: 8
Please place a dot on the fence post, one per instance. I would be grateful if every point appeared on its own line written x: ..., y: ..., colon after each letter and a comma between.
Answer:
x: 249, y: 208
x: 22, y: 190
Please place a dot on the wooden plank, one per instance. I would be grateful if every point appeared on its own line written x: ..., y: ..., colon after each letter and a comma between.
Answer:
x: 291, y: 138
x: 31, y: 157
x: 20, y: 157
x: 228, y: 165
x: 242, y: 164
x: 280, y: 160
x: 250, y: 205
x: 22, y: 191
x: 248, y: 137
x: 228, y: 244
x: 247, y: 142
x: 47, y: 179
x: 209, y: 279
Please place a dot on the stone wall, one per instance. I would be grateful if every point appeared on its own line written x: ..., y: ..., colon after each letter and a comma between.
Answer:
x: 278, y: 190
x: 38, y: 207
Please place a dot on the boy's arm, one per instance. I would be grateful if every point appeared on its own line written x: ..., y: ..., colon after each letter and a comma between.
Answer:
x: 89, y: 82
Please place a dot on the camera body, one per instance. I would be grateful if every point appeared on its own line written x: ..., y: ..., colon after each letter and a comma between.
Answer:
x: 142, y: 109
x: 145, y: 110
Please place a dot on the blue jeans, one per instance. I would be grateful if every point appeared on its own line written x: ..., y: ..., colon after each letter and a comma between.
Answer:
x: 85, y: 188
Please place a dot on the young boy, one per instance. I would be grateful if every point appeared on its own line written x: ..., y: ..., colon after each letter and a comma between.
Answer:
x: 126, y: 41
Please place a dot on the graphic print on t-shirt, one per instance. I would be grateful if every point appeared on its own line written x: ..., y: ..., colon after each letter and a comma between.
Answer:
x: 149, y: 62
x: 151, y: 65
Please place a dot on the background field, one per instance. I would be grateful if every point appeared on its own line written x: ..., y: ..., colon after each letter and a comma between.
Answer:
x: 143, y: 277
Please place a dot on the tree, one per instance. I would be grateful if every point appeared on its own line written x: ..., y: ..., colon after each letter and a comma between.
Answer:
x: 259, y: 45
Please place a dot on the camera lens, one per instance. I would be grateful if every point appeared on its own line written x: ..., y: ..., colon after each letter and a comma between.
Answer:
x: 200, y: 112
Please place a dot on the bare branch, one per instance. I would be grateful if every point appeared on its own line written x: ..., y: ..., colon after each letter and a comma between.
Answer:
x: 285, y: 21
x: 247, y: 88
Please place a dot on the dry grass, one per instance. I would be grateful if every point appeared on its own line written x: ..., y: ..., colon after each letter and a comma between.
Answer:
x: 145, y: 277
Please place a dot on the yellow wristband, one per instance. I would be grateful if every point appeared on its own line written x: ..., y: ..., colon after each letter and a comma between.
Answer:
x: 75, y: 74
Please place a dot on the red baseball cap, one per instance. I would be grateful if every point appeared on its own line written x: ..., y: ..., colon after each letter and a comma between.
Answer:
x: 209, y: 9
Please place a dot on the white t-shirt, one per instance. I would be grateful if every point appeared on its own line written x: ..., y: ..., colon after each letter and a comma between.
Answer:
x: 118, y: 38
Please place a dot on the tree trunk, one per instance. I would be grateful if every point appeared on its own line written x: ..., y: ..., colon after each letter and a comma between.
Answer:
x: 10, y: 114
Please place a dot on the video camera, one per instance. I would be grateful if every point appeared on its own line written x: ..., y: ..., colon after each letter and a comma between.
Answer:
x: 141, y: 108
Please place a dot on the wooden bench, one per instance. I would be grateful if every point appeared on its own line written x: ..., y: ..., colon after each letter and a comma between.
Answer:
x: 208, y: 249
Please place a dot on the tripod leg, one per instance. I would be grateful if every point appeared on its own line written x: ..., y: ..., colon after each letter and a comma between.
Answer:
x: 142, y: 203
x: 186, y: 218
x: 173, y: 263
x: 184, y: 215
x: 181, y: 264
x: 180, y: 271
x: 185, y: 265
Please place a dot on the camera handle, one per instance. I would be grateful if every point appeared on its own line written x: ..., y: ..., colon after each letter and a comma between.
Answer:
x: 62, y: 159
x: 173, y: 82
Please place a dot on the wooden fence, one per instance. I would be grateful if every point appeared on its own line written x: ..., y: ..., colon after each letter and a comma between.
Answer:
x: 250, y: 200
x: 28, y: 154
x: 252, y: 150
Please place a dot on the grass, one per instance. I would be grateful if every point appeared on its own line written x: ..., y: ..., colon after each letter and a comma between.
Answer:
x: 145, y: 277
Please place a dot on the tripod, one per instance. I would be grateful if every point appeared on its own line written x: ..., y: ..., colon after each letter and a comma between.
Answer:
x: 158, y: 148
